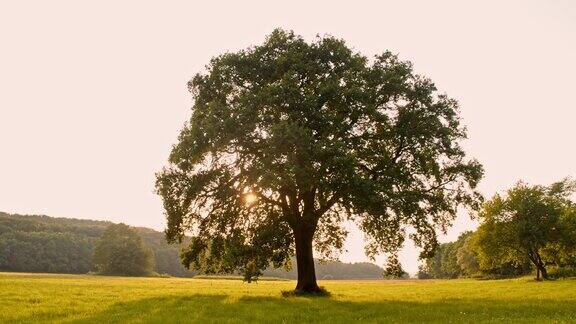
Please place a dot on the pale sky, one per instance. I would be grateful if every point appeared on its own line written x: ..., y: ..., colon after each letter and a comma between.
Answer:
x: 93, y: 94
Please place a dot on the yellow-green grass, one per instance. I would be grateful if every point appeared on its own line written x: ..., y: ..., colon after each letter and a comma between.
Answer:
x: 99, y: 299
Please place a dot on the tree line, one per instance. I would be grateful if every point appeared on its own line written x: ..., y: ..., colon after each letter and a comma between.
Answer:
x: 36, y: 243
x: 529, y: 229
x: 63, y: 245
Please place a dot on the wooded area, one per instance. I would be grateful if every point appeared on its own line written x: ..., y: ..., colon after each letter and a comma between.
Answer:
x: 527, y: 229
x: 65, y: 245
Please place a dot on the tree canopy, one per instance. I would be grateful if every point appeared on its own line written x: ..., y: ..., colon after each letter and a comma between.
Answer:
x: 289, y: 139
x: 121, y: 251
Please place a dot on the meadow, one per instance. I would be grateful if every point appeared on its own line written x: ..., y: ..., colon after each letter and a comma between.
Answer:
x: 99, y: 299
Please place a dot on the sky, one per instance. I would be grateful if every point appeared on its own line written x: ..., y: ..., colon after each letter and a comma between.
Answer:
x: 93, y: 94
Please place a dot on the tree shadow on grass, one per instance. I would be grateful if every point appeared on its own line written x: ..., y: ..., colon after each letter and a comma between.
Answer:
x: 295, y: 293
x: 226, y: 309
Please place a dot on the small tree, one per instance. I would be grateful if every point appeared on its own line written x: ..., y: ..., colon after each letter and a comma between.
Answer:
x: 121, y: 251
x: 523, y: 224
x: 289, y: 139
x: 394, y: 269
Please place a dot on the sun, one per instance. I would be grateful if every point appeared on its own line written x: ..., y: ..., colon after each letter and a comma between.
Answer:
x: 250, y: 198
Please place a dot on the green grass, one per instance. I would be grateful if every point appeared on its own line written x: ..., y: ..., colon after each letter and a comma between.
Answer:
x: 98, y: 299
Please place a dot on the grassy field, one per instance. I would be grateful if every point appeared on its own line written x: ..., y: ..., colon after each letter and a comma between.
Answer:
x: 78, y: 298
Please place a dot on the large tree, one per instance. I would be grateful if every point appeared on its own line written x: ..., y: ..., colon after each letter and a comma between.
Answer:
x: 525, y: 224
x: 289, y: 139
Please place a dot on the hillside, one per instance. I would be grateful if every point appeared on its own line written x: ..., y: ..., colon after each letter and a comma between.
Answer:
x: 37, y: 243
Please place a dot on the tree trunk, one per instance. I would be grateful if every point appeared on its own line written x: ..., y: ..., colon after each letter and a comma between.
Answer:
x: 305, y: 261
x: 540, y: 267
x: 542, y: 270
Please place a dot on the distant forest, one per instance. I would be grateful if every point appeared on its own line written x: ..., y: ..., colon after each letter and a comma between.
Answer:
x: 66, y: 245
x: 33, y: 243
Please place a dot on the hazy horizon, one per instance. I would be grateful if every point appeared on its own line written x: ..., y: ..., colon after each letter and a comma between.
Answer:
x: 94, y: 95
